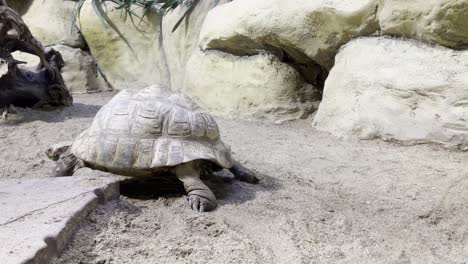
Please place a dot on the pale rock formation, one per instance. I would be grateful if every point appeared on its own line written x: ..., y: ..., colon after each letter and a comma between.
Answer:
x: 136, y: 60
x: 307, y: 31
x: 183, y: 42
x: 397, y: 90
x: 271, y: 54
x: 50, y: 21
x: 258, y: 86
x: 297, y: 38
x: 281, y: 94
x: 159, y: 55
x: 80, y: 72
x: 441, y: 21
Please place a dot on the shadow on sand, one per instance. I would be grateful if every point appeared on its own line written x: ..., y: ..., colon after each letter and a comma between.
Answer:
x: 78, y: 110
x: 226, y: 189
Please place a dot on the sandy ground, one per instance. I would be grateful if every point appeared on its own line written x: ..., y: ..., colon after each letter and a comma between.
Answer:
x: 320, y: 200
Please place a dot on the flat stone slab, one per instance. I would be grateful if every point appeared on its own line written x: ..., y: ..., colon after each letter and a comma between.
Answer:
x: 39, y: 216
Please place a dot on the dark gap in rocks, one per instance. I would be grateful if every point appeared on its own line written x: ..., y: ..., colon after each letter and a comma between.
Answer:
x: 85, y: 46
x: 244, y: 46
x: 310, y: 70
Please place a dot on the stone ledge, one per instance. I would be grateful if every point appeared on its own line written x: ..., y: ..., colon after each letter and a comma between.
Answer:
x: 39, y: 216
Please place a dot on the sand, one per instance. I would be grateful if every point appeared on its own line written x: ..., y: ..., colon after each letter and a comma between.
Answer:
x: 320, y: 199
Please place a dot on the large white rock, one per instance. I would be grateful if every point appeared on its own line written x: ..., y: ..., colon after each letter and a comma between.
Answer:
x: 397, y: 90
x: 441, y: 21
x: 51, y: 21
x: 136, y: 60
x: 39, y: 216
x: 306, y: 30
x: 257, y: 86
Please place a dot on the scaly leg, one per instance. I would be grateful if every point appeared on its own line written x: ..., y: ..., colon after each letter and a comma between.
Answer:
x: 200, y: 197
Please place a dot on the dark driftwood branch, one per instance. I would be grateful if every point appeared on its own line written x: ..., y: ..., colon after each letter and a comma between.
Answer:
x: 28, y: 87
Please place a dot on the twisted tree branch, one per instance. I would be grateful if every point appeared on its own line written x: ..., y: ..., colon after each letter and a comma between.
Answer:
x: 37, y: 87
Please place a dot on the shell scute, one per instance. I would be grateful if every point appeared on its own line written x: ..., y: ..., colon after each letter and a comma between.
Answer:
x: 106, y: 147
x: 198, y: 125
x: 179, y: 124
x: 91, y: 150
x: 148, y: 122
x: 145, y: 154
x: 125, y: 153
x: 161, y: 152
x: 212, y: 130
x: 176, y: 153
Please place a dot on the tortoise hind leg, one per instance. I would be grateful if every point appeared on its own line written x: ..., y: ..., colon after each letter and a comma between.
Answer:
x: 200, y: 197
x: 67, y: 164
x: 242, y: 173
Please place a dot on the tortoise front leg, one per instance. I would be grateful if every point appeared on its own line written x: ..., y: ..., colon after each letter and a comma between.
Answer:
x: 200, y: 197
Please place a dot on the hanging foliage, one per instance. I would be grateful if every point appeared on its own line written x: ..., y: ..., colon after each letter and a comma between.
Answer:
x: 161, y: 6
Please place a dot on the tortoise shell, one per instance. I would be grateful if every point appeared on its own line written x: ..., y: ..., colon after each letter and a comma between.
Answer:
x: 144, y: 130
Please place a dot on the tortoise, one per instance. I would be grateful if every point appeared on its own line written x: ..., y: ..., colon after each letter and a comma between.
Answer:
x: 145, y: 132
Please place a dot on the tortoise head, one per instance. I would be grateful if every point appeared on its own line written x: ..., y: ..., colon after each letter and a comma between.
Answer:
x: 54, y: 152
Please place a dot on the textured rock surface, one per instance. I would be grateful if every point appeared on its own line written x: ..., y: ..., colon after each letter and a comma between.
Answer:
x: 158, y: 56
x: 304, y: 34
x: 39, y: 216
x: 305, y: 30
x: 80, y: 72
x: 405, y: 91
x: 182, y: 43
x: 139, y: 62
x: 443, y: 22
x: 51, y: 21
x: 272, y: 89
x: 249, y: 86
